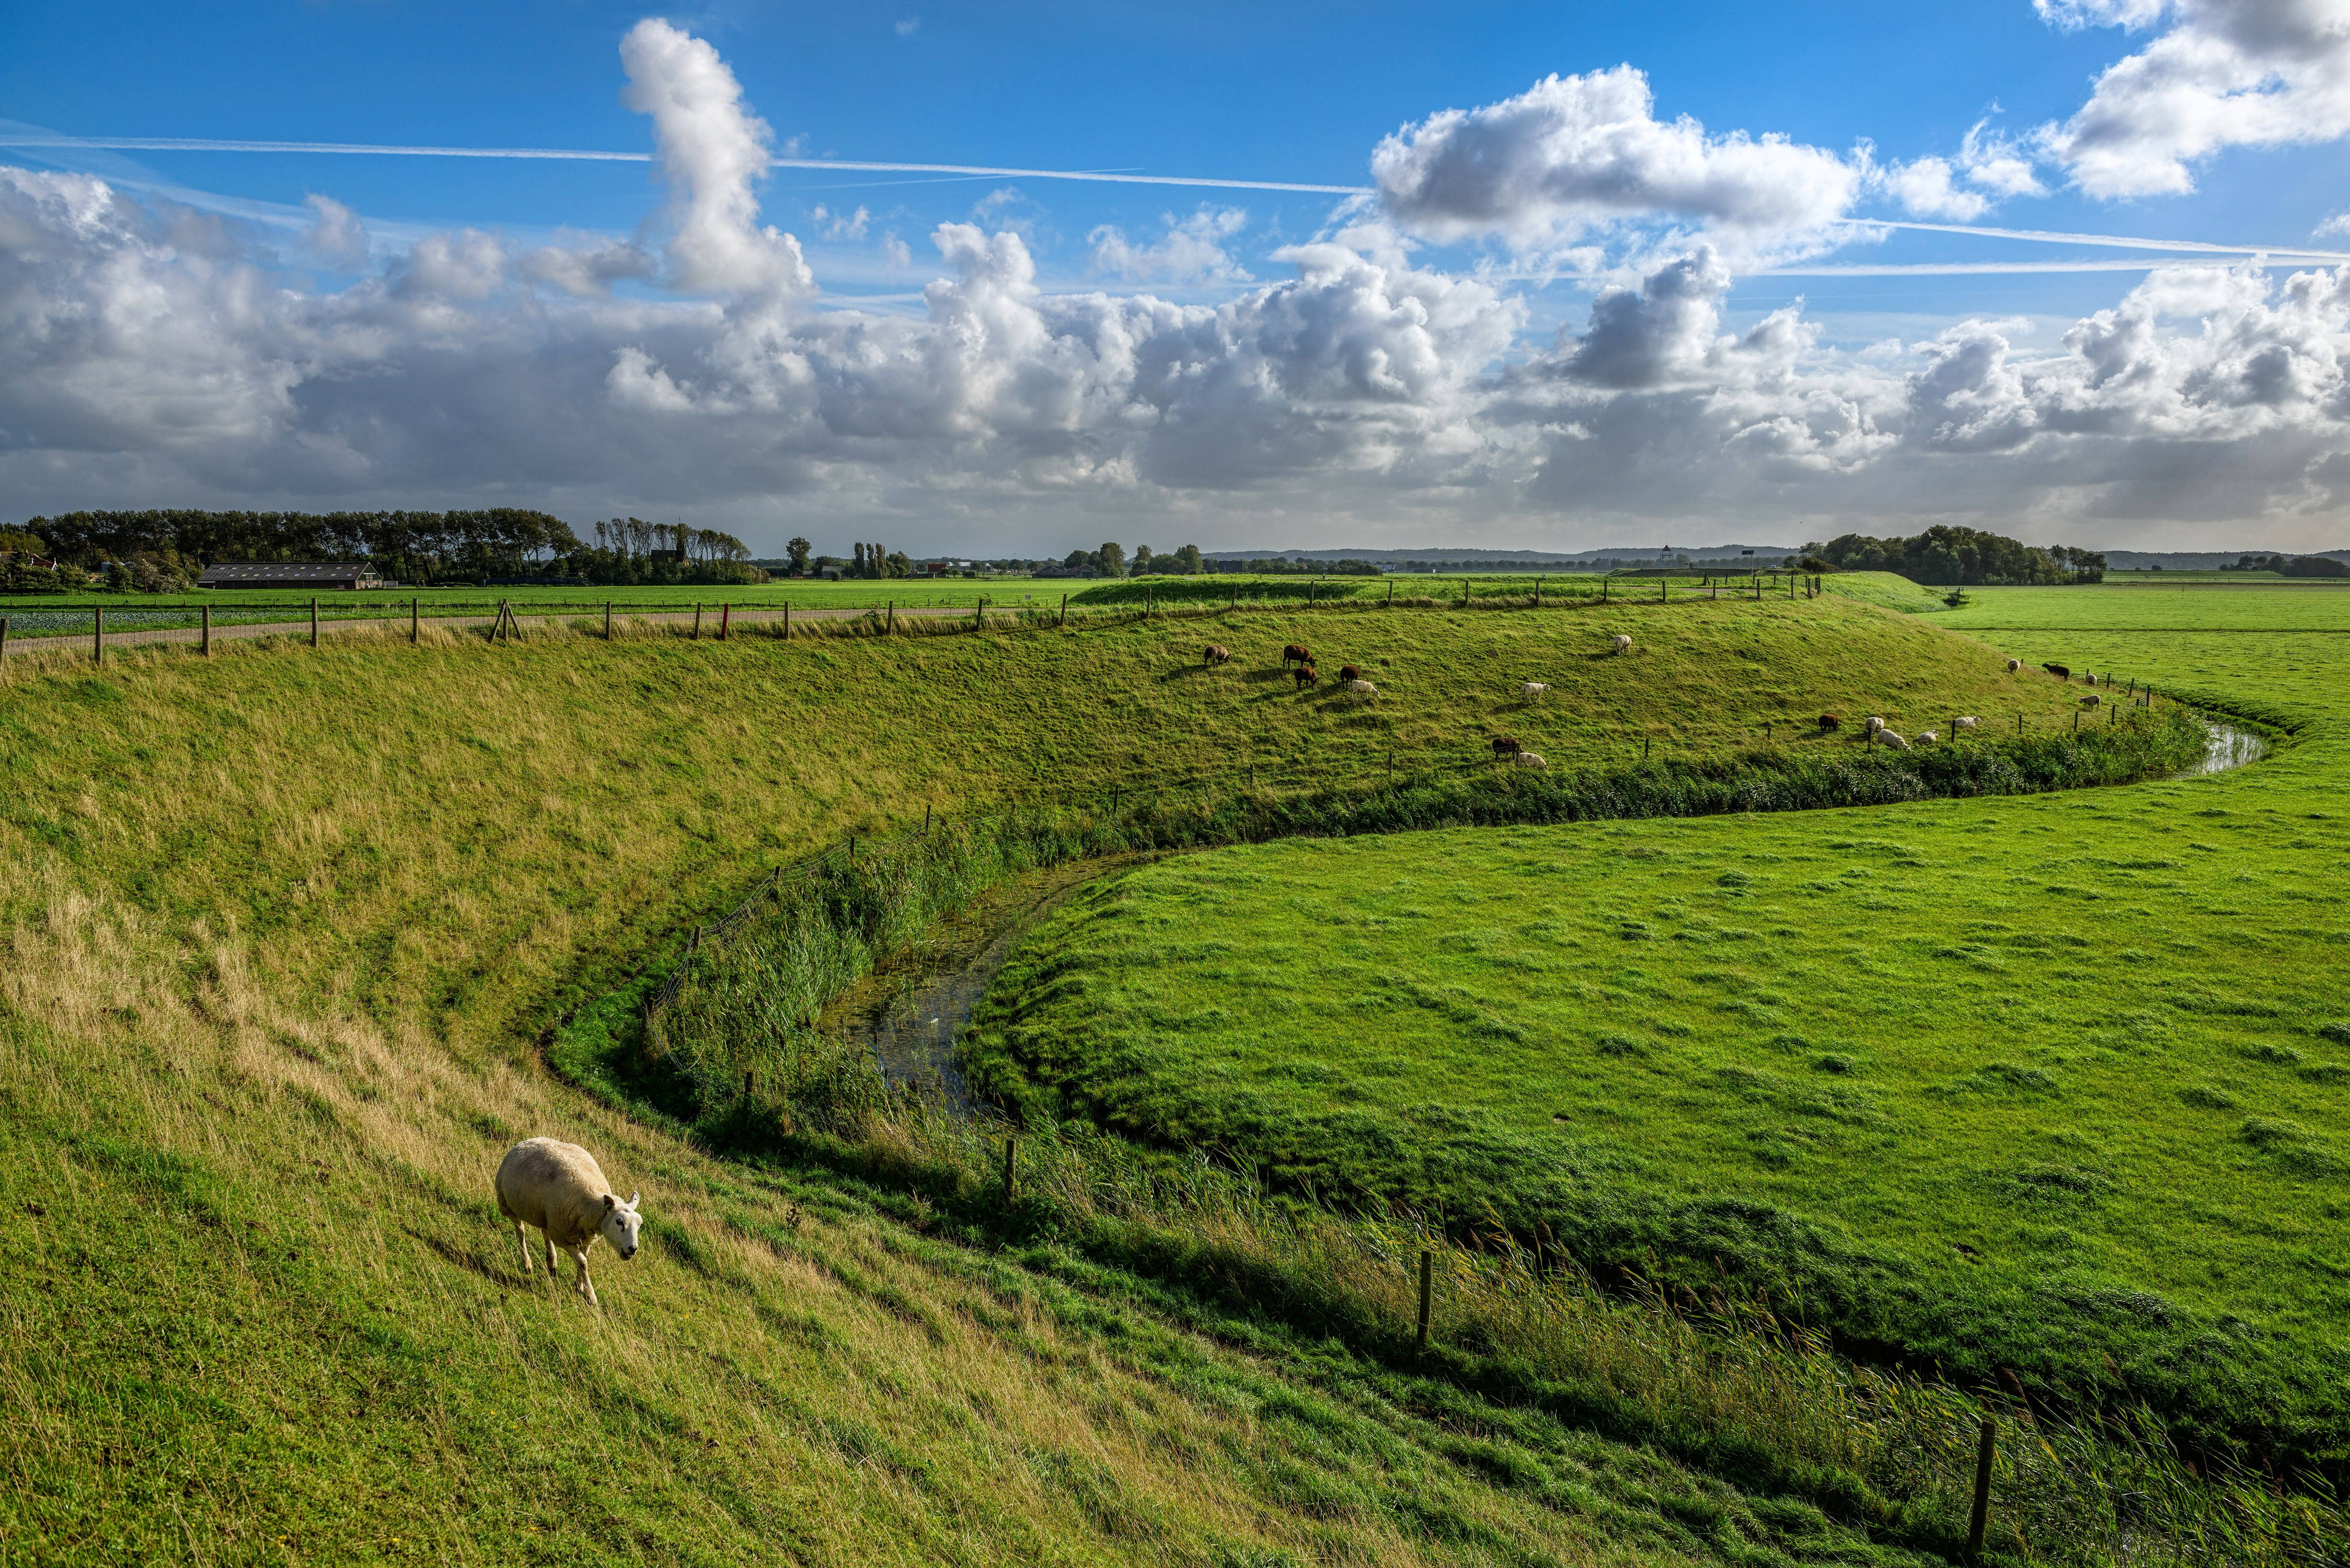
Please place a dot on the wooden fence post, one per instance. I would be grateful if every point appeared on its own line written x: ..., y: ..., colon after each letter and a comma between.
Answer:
x: 890, y: 623
x: 206, y: 645
x: 607, y: 620
x: 415, y: 620
x: 98, y: 635
x: 1065, y: 609
x: 1011, y: 1164
x: 1427, y: 1296
x: 725, y: 620
x: 1986, y: 1447
x: 979, y: 615
x: 1538, y: 593
x: 1603, y: 590
x: 3, y: 642
x: 787, y: 621
x: 1391, y: 593
x: 314, y: 620
x: 697, y: 623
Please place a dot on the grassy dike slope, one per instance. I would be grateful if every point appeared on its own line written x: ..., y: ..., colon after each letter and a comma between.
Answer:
x: 282, y: 926
x: 2054, y: 1086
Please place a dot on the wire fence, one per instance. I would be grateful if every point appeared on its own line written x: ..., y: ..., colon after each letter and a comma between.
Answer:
x: 46, y: 619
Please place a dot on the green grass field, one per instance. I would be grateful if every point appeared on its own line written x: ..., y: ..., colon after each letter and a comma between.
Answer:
x: 2056, y: 1085
x: 283, y: 928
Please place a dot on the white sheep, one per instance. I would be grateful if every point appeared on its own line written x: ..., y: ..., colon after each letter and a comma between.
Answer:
x: 2013, y: 665
x: 559, y: 1189
x: 2090, y: 701
x: 1529, y: 759
x: 1890, y: 739
x: 1362, y: 688
x: 1873, y: 723
x: 1533, y: 689
x: 1622, y: 644
x: 1966, y: 723
x: 1928, y: 735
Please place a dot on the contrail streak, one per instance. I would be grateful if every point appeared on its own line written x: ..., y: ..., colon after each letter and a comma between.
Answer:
x: 989, y: 171
x: 2118, y: 242
x: 965, y: 170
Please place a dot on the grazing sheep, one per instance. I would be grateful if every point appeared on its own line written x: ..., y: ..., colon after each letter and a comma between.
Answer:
x: 1533, y: 689
x: 1622, y: 644
x: 2087, y: 678
x: 1873, y: 723
x: 1349, y: 672
x: 1362, y: 688
x: 559, y: 1189
x: 1966, y: 723
x: 1890, y: 739
x: 1304, y: 675
x: 1295, y: 653
x: 1216, y: 653
x: 2060, y: 671
x: 2091, y: 701
x: 1505, y: 747
x: 1831, y: 721
x: 1530, y: 760
x: 1928, y: 735
x: 2013, y: 665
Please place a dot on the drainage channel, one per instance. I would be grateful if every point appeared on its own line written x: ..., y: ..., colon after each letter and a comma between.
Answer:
x: 910, y: 1011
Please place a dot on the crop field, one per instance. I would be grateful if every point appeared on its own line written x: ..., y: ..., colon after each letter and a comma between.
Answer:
x: 2053, y: 1087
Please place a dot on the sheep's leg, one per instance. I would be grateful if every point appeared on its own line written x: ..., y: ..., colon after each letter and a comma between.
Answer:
x: 586, y: 1285
x: 550, y: 1255
x: 524, y: 1242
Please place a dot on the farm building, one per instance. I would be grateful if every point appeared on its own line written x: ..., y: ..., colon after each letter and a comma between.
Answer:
x: 329, y: 574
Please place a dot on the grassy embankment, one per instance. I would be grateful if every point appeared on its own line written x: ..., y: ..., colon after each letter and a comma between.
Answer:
x: 282, y: 926
x: 2042, y: 1085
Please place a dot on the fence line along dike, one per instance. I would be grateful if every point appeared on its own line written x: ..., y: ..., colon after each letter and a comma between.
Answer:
x: 50, y: 627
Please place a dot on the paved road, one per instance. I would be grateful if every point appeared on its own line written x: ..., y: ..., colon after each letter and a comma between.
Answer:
x: 50, y: 642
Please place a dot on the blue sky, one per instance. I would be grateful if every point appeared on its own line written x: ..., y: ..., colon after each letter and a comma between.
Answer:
x: 1452, y: 381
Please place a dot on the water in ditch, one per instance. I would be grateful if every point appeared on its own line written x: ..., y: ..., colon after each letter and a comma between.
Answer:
x: 910, y: 1012
x: 2226, y: 747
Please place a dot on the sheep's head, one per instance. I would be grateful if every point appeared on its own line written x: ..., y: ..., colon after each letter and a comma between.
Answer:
x: 622, y: 1223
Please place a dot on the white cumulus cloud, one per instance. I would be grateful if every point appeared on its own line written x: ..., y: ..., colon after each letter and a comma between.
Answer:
x: 713, y: 152
x: 2221, y: 74
x: 1191, y: 251
x: 1577, y: 153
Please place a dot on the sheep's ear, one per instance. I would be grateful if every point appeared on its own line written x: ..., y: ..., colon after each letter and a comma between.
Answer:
x: 632, y: 1204
x: 610, y: 1202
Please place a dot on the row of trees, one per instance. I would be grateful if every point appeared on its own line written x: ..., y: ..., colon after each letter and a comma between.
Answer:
x: 2291, y: 566
x: 1947, y: 557
x: 166, y: 550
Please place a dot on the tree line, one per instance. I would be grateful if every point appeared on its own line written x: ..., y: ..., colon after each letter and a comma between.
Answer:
x: 166, y: 549
x: 1947, y: 557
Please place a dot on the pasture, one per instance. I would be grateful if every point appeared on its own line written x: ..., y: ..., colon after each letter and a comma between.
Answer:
x: 285, y: 929
x: 2053, y: 1087
x: 284, y: 926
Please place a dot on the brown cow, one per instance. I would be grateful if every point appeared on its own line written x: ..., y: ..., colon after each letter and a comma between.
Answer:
x: 1349, y: 672
x: 1306, y: 675
x: 1505, y: 747
x: 1216, y: 653
x: 1296, y: 653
